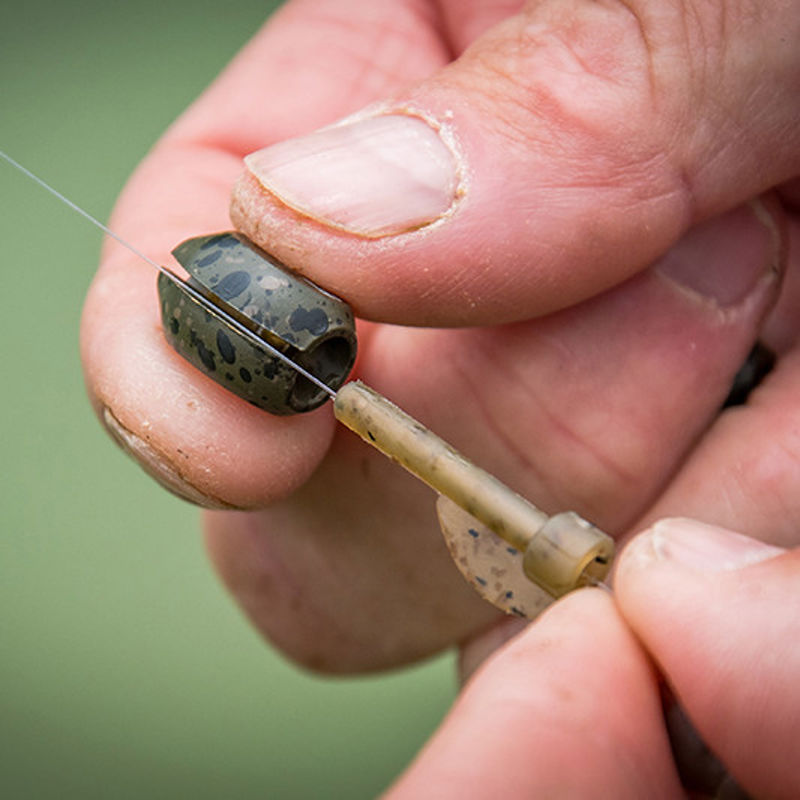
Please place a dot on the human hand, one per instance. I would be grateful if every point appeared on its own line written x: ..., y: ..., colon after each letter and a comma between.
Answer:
x: 586, y: 140
x: 572, y: 707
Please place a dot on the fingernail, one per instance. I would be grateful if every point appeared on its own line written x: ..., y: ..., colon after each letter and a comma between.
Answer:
x: 706, y: 548
x: 156, y: 466
x: 724, y: 259
x: 373, y: 177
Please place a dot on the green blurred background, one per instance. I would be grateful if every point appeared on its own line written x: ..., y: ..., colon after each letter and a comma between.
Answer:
x: 125, y: 670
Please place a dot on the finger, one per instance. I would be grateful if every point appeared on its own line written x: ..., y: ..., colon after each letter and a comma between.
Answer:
x: 197, y: 439
x: 569, y: 708
x: 743, y: 473
x: 564, y: 151
x: 718, y: 613
x: 312, y: 63
x: 473, y: 652
x: 745, y: 470
x: 782, y: 329
x: 464, y: 21
x: 590, y: 409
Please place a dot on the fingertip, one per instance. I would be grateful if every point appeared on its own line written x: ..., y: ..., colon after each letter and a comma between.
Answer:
x: 195, y: 438
x: 680, y: 575
x: 717, y: 612
x: 550, y: 713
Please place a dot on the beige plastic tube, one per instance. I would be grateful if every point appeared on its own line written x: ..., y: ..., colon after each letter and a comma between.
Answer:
x: 561, y: 553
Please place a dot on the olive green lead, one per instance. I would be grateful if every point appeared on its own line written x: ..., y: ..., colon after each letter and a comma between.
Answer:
x: 311, y: 327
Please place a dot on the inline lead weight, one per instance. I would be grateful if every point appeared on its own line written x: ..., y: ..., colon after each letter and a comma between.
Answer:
x: 280, y: 310
x: 561, y: 553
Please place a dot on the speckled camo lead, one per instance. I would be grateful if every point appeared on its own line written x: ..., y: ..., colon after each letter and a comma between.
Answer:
x: 314, y: 329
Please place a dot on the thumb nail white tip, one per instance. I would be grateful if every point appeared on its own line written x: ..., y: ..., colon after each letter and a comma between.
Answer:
x: 376, y: 176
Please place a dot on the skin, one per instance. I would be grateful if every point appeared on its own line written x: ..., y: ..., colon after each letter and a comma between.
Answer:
x: 608, y: 152
x: 715, y: 625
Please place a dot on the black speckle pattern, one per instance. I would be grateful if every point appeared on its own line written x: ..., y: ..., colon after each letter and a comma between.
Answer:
x: 314, y: 320
x: 270, y: 369
x: 232, y: 284
x: 237, y: 275
x: 207, y: 261
x: 225, y: 347
x: 206, y: 356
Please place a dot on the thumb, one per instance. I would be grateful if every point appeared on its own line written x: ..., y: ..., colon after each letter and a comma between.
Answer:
x: 720, y: 614
x: 565, y: 150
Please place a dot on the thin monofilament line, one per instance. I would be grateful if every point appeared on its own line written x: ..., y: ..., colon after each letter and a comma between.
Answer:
x: 245, y: 331
x: 190, y: 290
x: 77, y: 208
